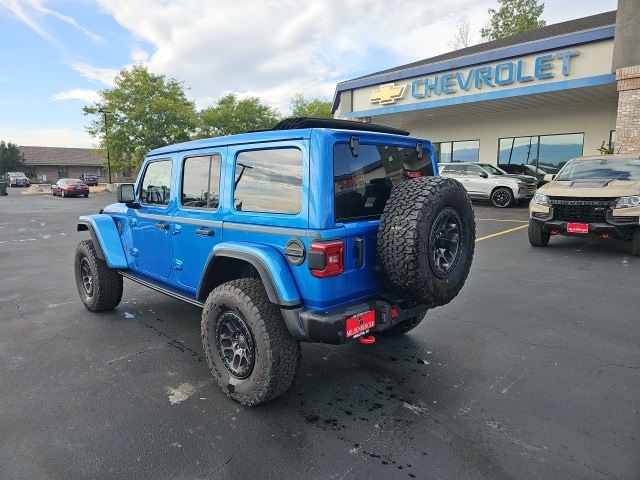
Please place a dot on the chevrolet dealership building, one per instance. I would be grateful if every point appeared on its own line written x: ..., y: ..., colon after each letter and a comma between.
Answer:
x: 537, y: 98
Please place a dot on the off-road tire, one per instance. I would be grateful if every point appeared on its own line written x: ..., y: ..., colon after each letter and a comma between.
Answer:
x: 239, y: 319
x: 426, y: 239
x: 99, y: 287
x: 537, y: 238
x: 403, y: 327
x: 502, y: 197
x: 635, y: 242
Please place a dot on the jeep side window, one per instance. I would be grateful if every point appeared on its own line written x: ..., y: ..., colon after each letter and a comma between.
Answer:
x: 201, y: 182
x: 156, y: 184
x: 269, y: 181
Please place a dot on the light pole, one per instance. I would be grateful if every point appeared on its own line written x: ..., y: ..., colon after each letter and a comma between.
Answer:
x: 106, y: 131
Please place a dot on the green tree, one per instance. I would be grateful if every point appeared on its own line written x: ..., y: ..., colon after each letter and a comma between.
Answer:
x: 313, y: 107
x: 230, y: 116
x: 143, y: 111
x: 513, y: 16
x: 11, y: 158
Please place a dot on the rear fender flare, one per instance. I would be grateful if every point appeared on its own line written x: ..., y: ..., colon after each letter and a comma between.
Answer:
x: 270, y: 265
x: 106, y: 238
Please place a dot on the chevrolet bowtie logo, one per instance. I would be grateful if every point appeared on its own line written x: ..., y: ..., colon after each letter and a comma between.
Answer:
x: 388, y: 93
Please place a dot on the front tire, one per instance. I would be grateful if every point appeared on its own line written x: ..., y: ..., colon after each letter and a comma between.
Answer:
x: 635, y: 241
x: 537, y: 238
x: 502, y: 197
x: 247, y: 344
x: 426, y: 239
x: 99, y: 287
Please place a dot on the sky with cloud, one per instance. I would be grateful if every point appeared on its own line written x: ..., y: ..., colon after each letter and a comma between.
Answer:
x: 56, y: 55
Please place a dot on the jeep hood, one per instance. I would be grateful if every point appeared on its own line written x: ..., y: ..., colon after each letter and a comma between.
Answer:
x: 591, y: 188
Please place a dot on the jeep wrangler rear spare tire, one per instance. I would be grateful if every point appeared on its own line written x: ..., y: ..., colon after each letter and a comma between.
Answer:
x: 247, y: 344
x: 426, y: 239
x: 99, y: 287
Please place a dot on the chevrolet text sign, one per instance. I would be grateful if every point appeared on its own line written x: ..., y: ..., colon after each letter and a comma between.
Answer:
x: 502, y: 74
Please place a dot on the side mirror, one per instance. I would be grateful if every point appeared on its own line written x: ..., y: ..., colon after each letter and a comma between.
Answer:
x: 549, y: 177
x: 125, y: 193
x: 483, y: 175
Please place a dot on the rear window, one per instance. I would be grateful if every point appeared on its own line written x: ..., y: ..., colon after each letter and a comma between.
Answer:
x: 362, y: 184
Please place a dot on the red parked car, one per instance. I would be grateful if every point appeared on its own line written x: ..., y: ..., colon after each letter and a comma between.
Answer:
x: 69, y: 187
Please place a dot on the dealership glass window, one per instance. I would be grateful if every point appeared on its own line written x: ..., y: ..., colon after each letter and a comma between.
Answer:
x: 463, y: 151
x: 612, y: 140
x: 269, y: 181
x: 547, y: 152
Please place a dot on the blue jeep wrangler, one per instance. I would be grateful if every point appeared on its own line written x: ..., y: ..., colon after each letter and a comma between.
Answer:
x: 318, y: 230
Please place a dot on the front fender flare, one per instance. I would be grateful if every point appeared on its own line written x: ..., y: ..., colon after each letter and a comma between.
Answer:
x: 270, y: 264
x: 106, y: 238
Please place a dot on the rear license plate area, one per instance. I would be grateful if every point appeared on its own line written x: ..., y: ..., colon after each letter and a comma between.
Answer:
x: 360, y: 324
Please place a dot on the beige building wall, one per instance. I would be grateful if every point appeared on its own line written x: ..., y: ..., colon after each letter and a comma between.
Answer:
x: 595, y: 120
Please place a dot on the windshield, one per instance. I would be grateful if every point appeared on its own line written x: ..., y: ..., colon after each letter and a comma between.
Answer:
x: 604, y: 168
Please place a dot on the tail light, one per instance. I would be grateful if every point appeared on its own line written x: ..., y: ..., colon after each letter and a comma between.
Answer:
x: 413, y: 174
x: 326, y: 259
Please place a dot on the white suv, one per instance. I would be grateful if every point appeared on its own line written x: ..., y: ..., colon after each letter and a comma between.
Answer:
x: 484, y: 181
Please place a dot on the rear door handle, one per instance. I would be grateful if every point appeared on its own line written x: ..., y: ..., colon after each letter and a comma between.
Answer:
x: 205, y: 232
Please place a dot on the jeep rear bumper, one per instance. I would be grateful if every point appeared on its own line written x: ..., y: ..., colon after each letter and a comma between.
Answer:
x: 341, y: 325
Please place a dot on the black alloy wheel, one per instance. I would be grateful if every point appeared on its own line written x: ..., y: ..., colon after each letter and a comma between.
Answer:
x: 444, y: 244
x: 86, y: 276
x: 235, y: 345
x: 502, y: 197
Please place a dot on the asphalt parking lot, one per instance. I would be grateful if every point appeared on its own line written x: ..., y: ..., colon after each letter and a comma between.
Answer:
x: 532, y: 372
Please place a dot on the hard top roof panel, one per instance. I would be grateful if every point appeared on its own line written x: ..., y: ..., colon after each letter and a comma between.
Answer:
x: 279, y: 131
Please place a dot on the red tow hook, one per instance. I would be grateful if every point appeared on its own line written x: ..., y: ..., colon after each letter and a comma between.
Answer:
x: 367, y: 339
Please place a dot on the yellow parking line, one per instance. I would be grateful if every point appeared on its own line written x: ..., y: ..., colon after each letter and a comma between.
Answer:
x: 498, y: 220
x: 501, y: 233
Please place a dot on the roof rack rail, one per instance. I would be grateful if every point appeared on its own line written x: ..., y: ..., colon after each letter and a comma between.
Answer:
x: 292, y: 123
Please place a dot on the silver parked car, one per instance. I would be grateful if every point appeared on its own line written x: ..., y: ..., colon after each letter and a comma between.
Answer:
x: 484, y: 181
